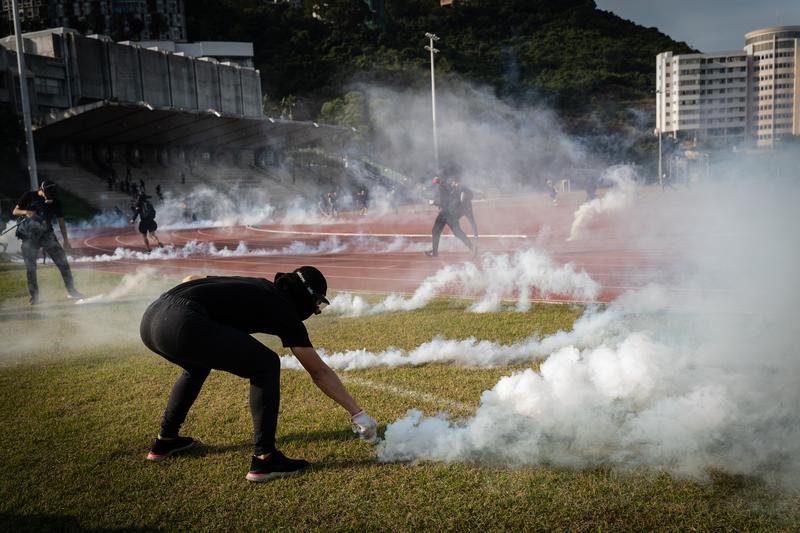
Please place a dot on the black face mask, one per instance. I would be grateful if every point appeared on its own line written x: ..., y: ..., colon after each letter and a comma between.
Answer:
x: 304, y: 303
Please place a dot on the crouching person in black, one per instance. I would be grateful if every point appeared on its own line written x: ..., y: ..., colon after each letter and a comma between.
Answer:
x: 38, y: 208
x: 205, y: 323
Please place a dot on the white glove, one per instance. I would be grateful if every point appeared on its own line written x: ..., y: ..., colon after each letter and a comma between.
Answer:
x: 365, y: 427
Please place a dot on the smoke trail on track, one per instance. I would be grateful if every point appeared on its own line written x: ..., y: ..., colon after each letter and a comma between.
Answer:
x: 596, y: 327
x: 616, y: 199
x: 195, y: 248
x: 495, y: 278
x: 131, y: 284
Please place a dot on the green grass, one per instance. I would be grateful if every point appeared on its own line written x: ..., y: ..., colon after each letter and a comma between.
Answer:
x: 78, y: 419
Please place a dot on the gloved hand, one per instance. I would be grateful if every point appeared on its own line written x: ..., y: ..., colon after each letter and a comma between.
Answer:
x: 365, y: 427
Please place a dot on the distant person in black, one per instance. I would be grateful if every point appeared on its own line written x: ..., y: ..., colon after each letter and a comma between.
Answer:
x: 329, y: 205
x: 552, y: 191
x: 143, y: 209
x: 36, y: 232
x: 449, y: 213
x: 465, y: 196
x: 362, y: 197
x: 159, y: 193
x: 3, y: 226
x: 205, y: 323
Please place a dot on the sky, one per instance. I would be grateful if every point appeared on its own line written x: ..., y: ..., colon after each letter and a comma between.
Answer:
x: 707, y: 25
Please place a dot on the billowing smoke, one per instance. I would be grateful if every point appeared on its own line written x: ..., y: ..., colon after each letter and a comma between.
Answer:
x: 620, y: 196
x: 490, y: 144
x: 686, y: 380
x: 105, y: 323
x: 520, y: 275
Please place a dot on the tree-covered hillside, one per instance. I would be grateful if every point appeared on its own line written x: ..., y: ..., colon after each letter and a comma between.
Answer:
x: 566, y: 51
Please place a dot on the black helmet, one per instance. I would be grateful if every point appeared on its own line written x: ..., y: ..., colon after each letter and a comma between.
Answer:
x: 312, y: 282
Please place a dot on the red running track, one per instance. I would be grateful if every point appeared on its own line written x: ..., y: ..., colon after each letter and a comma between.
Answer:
x: 608, y: 252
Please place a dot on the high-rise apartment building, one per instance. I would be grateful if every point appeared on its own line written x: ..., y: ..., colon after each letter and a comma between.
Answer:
x: 749, y: 96
x: 120, y: 19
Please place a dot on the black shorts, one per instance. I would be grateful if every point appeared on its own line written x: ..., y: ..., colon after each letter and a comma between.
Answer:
x: 147, y: 226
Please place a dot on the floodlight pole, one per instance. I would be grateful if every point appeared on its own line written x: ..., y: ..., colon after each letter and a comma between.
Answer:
x: 433, y: 38
x: 23, y: 91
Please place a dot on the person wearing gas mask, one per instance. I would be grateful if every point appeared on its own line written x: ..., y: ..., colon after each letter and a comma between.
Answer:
x: 205, y: 324
x: 35, y: 229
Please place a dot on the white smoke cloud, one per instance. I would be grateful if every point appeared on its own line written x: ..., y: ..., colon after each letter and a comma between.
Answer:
x: 495, y: 278
x: 659, y: 379
x: 616, y: 199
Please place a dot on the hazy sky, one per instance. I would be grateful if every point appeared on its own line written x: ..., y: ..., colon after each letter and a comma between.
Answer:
x: 708, y: 25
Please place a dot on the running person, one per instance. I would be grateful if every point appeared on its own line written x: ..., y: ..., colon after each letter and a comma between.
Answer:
x: 205, y: 323
x: 448, y: 216
x: 465, y: 196
x: 143, y: 209
x: 36, y: 232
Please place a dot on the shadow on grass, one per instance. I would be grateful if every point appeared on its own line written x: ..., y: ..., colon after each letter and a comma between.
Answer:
x: 53, y: 522
x: 312, y: 436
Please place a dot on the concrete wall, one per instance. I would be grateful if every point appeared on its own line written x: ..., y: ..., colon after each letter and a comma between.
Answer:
x: 89, y: 68
x: 251, y: 90
x: 126, y: 83
x: 181, y: 73
x: 230, y: 89
x: 207, y: 85
x: 155, y: 78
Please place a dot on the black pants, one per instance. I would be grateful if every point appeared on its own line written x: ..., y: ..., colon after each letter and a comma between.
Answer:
x: 180, y: 331
x: 466, y: 211
x: 30, y: 253
x: 447, y: 219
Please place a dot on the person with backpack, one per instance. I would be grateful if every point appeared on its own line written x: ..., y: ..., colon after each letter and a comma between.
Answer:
x: 35, y: 229
x: 144, y: 210
x: 465, y: 196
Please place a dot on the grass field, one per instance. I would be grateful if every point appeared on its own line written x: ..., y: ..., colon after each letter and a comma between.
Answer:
x: 81, y: 399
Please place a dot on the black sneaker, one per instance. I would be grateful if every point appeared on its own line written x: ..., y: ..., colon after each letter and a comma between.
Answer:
x: 75, y: 295
x: 432, y: 253
x: 161, y: 448
x: 275, y: 466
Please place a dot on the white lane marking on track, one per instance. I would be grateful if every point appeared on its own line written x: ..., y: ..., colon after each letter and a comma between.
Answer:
x: 344, y: 234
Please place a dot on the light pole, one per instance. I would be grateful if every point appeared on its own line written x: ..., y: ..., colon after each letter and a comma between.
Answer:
x: 23, y: 91
x: 433, y: 38
x: 660, y: 173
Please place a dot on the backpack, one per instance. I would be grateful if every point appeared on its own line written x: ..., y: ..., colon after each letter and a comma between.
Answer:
x: 30, y: 228
x: 148, y: 211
